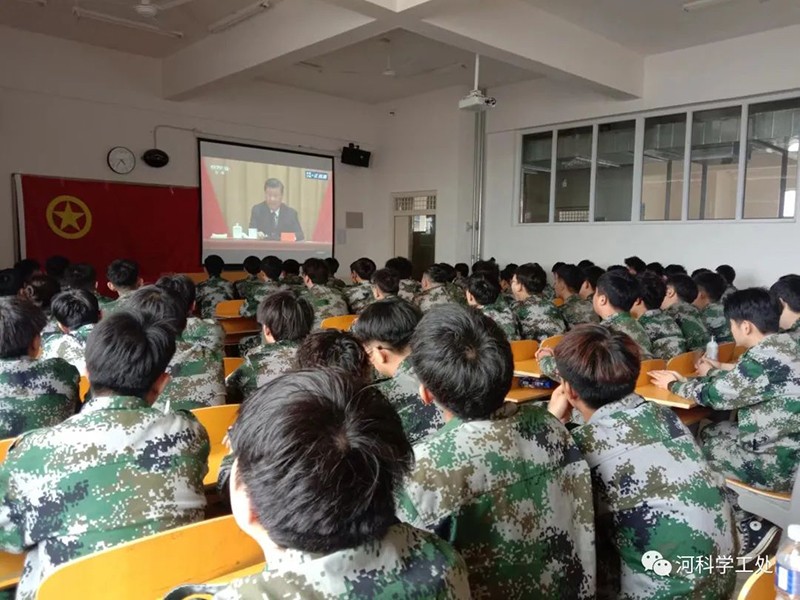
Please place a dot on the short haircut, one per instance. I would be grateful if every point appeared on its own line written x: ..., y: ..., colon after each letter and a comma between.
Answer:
x: 316, y: 270
x: 462, y: 269
x: 572, y: 277
x: 363, y: 267
x: 333, y: 265
x: 183, y: 287
x: 389, y: 322
x: 449, y: 272
x: 387, y: 281
x: 128, y: 351
x: 27, y: 267
x: 402, y: 265
x: 585, y: 264
x: 75, y: 308
x: 507, y: 273
x: 675, y: 270
x: 291, y: 267
x: 636, y: 263
x: 10, y: 282
x: 757, y: 306
x: 272, y: 267
x: 40, y: 289
x: 684, y: 287
x: 487, y: 267
x: 657, y: 268
x: 56, y: 265
x: 713, y: 284
x: 787, y: 288
x: 483, y: 287
x: 652, y: 290
x: 21, y: 321
x: 321, y: 457
x: 252, y: 264
x: 273, y: 183
x: 621, y: 289
x: 288, y: 317
x: 123, y: 273
x: 592, y: 275
x: 160, y: 305
x: 555, y: 266
x: 531, y: 277
x: 334, y: 349
x: 214, y: 265
x: 728, y: 272
x: 437, y: 273
x: 80, y: 276
x: 464, y: 359
x: 600, y: 364
x: 616, y: 268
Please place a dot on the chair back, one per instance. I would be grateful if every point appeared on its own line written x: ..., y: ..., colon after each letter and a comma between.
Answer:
x: 231, y: 364
x: 737, y: 353
x: 10, y: 569
x: 655, y: 364
x: 684, y: 363
x: 760, y: 585
x: 551, y: 342
x: 217, y: 420
x: 726, y: 352
x: 4, y: 447
x: 342, y: 323
x: 83, y: 388
x: 524, y: 349
x: 228, y: 309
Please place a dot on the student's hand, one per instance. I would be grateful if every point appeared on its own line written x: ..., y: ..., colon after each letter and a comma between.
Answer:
x: 559, y: 405
x: 704, y: 365
x: 662, y: 379
x: 542, y: 352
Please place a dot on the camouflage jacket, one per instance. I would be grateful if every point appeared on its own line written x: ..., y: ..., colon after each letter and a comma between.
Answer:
x: 255, y: 294
x: 624, y: 322
x: 359, y: 296
x: 409, y: 288
x: 441, y: 294
x: 326, y: 301
x: 716, y: 323
x: 538, y: 318
x: 419, y: 419
x: 293, y: 280
x: 794, y: 331
x: 260, y: 366
x: 765, y: 388
x: 336, y: 283
x: 665, y: 335
x: 116, y: 472
x: 406, y: 563
x: 244, y: 287
x: 577, y: 311
x: 549, y: 293
x: 112, y: 306
x: 691, y: 323
x: 206, y: 333
x: 654, y: 492
x: 35, y: 393
x: 514, y: 497
x: 211, y: 292
x: 69, y: 346
x: 102, y: 301
x: 500, y: 312
x: 51, y: 328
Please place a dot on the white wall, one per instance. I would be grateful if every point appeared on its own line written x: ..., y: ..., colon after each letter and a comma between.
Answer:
x: 746, y: 66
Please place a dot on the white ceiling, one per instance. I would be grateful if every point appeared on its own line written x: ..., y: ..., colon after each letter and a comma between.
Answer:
x: 655, y: 26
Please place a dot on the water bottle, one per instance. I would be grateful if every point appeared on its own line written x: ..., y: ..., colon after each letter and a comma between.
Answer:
x: 787, y: 573
x: 712, y: 349
x: 237, y: 232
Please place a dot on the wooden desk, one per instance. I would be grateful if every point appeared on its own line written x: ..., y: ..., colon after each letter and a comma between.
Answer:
x: 10, y: 569
x: 523, y: 394
x: 239, y: 574
x: 528, y: 368
x: 659, y: 396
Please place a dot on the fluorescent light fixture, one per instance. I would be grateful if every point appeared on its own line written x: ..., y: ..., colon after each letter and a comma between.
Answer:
x: 82, y: 13
x: 701, y: 4
x: 789, y: 204
x: 794, y: 146
x: 39, y: 2
x: 233, y: 19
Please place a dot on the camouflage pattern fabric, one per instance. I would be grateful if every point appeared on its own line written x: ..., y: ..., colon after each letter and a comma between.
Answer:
x: 501, y: 313
x: 206, y: 332
x: 458, y: 295
x: 115, y: 305
x: 764, y: 448
x: 549, y: 293
x: 260, y: 366
x: 665, y: 335
x: 461, y: 281
x: 256, y: 294
x: 624, y: 322
x: 716, y: 323
x: 327, y: 302
x: 691, y: 323
x: 728, y: 291
x: 51, y: 328
x: 577, y: 311
x: 116, y: 472
x: 293, y: 280
x: 441, y: 294
x: 35, y: 393
x: 538, y: 318
x: 794, y: 331
x: 409, y: 288
x: 514, y: 497
x: 406, y: 563
x: 69, y: 346
x: 654, y: 492
x: 419, y: 419
x: 211, y: 292
x: 336, y: 283
x: 244, y: 287
x: 103, y: 301
x: 358, y: 296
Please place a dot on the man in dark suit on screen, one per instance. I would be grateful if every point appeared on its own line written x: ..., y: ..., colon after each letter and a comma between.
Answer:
x: 272, y: 217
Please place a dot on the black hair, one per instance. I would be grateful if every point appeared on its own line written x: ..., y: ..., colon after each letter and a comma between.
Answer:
x: 657, y: 268
x: 252, y: 264
x: 10, y: 282
x: 670, y: 270
x: 75, y: 308
x: 713, y: 284
x: 531, y: 277
x: 585, y: 264
x: 287, y: 316
x: 316, y: 270
x: 160, y: 305
x: 613, y: 268
x: 40, y: 289
x: 128, y: 351
x: 592, y: 275
x: 214, y: 265
x: 572, y: 277
x: 684, y: 287
x: 363, y: 267
x: 333, y: 265
x: 699, y: 271
x: 387, y: 281
x: 728, y: 272
x: 620, y: 287
x: 322, y: 458
x: 464, y: 359
x: 183, y: 287
x: 487, y: 267
x: 508, y: 272
x: 787, y: 288
x: 652, y: 290
x: 438, y: 273
x: 389, y: 322
x: 484, y: 288
x: 555, y: 266
x: 21, y: 321
x: 123, y: 273
x: 636, y: 263
x: 462, y: 269
x: 80, y: 276
x: 756, y: 305
x: 449, y: 272
x: 274, y: 184
x: 402, y: 265
x: 26, y: 268
x: 335, y: 349
x: 56, y: 265
x: 272, y: 266
x: 291, y: 267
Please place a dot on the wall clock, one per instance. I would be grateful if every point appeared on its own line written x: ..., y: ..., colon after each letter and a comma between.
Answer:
x: 121, y: 160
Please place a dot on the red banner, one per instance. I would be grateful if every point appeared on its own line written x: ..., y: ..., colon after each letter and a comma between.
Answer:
x: 96, y: 222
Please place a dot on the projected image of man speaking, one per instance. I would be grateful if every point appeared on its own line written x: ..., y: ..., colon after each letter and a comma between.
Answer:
x: 272, y: 217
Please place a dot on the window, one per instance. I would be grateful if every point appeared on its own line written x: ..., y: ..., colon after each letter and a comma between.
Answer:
x: 614, y: 179
x: 662, y: 168
x: 573, y: 174
x: 537, y: 150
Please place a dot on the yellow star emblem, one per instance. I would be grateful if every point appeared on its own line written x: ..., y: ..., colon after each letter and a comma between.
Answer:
x: 69, y: 211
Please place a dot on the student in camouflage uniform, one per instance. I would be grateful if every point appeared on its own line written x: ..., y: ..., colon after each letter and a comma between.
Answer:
x: 503, y: 482
x: 33, y: 393
x: 116, y: 472
x: 77, y: 312
x: 590, y: 277
x: 681, y: 292
x: 40, y: 290
x: 243, y: 287
x: 729, y: 275
x: 763, y: 448
x: 359, y: 295
x: 385, y: 328
x: 83, y: 276
x: 333, y: 268
x: 435, y: 290
x: 213, y: 290
x: 385, y: 284
x: 123, y: 279
x: 483, y: 293
x: 291, y: 274
x: 271, y: 269
x: 575, y: 310
x: 787, y: 292
x: 409, y: 287
x: 538, y: 318
x: 286, y: 320
x: 710, y: 288
x: 653, y: 490
x: 326, y: 301
x: 665, y: 335
x: 462, y: 275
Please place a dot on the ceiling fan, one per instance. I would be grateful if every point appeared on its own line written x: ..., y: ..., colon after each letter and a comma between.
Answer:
x: 146, y: 9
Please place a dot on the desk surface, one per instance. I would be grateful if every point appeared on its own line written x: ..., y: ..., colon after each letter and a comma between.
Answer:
x: 527, y: 368
x: 519, y: 395
x: 659, y: 396
x: 239, y: 574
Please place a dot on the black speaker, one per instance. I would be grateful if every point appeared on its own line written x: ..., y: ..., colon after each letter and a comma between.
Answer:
x: 353, y: 155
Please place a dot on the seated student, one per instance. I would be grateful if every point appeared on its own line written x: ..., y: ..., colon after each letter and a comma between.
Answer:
x: 503, y: 482
x: 575, y: 310
x: 653, y: 490
x: 33, y: 393
x: 483, y: 293
x: 673, y: 269
x: 385, y: 284
x: 590, y: 277
x: 196, y: 374
x: 763, y: 449
x: 123, y: 279
x: 729, y: 275
x: 462, y: 274
x: 27, y: 268
x: 710, y: 288
x: 56, y: 266
x: 538, y: 318
x: 326, y: 301
x: 335, y: 349
x: 787, y: 292
x: 385, y: 328
x: 204, y: 332
x: 664, y: 332
x: 409, y: 287
x: 656, y: 268
x: 83, y: 276
x: 318, y: 461
x: 506, y: 275
x: 271, y: 269
x: 359, y: 295
x: 548, y: 291
x: 435, y: 290
x: 681, y: 293
x: 635, y: 265
x: 286, y: 320
x: 252, y: 266
x: 40, y: 290
x: 616, y: 293
x: 76, y: 312
x: 116, y: 472
x: 291, y: 274
x: 333, y: 268
x: 10, y: 282
x: 215, y: 289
